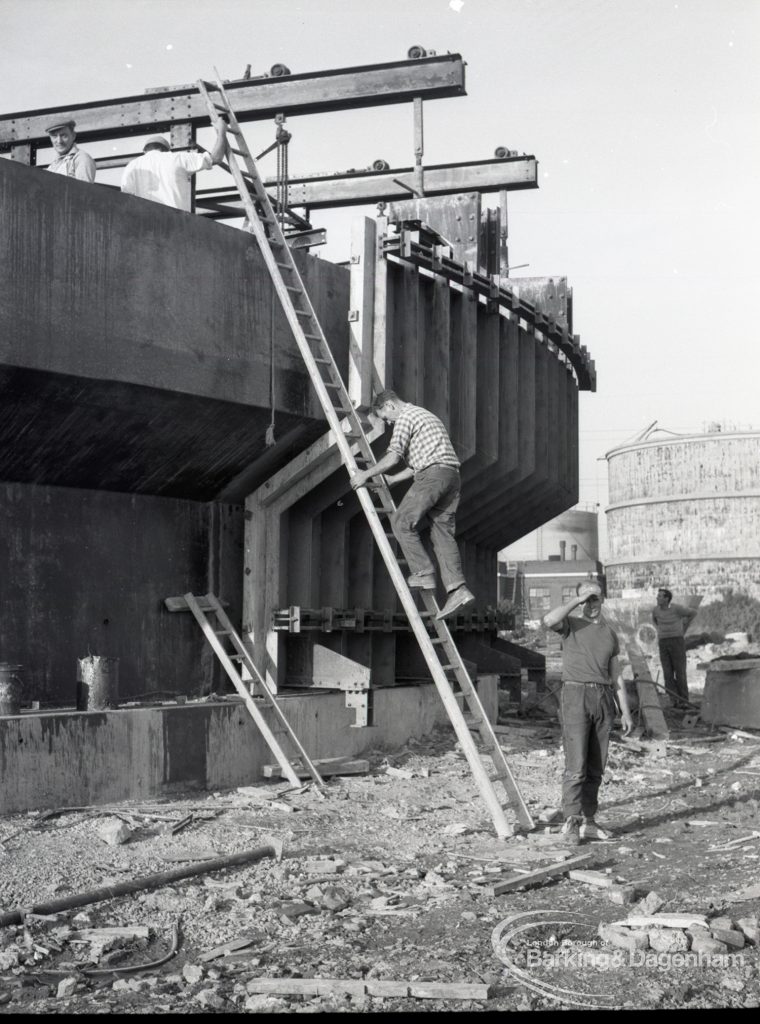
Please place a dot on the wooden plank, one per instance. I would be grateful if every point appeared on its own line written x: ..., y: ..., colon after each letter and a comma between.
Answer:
x: 663, y: 921
x: 464, y: 377
x: 325, y: 766
x: 179, y: 604
x: 334, y: 191
x: 361, y: 312
x: 447, y: 990
x: 437, y: 347
x: 372, y: 987
x: 251, y: 99
x: 649, y: 701
x: 597, y: 878
x: 304, y: 987
x: 517, y: 881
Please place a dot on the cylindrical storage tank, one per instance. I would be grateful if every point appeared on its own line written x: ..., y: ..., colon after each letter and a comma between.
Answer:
x: 684, y: 513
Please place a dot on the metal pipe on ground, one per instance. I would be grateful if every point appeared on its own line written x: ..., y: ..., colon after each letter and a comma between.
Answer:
x: 107, y: 892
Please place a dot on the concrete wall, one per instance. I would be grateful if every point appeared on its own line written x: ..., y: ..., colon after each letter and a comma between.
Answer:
x: 136, y: 341
x: 70, y: 759
x: 86, y: 572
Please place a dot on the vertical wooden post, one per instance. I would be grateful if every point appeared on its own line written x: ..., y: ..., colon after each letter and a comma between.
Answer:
x: 419, y: 148
x: 26, y: 153
x: 182, y: 136
x: 380, y: 310
x: 361, y: 312
x: 503, y: 235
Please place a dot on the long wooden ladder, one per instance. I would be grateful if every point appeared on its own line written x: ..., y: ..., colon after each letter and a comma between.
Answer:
x: 438, y: 647
x: 211, y: 605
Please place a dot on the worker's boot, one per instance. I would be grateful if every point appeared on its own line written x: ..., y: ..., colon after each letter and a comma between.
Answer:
x: 571, y: 831
x: 590, y: 830
x: 457, y: 599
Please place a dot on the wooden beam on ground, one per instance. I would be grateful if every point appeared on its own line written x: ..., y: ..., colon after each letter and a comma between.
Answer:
x: 372, y: 987
x: 517, y: 881
x: 325, y: 766
x: 649, y: 701
x: 365, y: 187
x: 251, y: 99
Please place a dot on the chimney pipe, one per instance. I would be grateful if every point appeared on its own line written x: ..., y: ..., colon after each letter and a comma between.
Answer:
x: 574, y: 550
x: 562, y: 546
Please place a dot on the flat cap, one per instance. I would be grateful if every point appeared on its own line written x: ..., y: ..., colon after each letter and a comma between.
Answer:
x: 61, y: 124
x: 156, y: 140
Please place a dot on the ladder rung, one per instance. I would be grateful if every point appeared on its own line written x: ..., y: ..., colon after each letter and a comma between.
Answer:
x: 237, y: 152
x: 313, y: 337
x: 302, y: 312
x: 318, y: 359
x: 223, y: 632
x: 293, y: 287
x: 284, y: 266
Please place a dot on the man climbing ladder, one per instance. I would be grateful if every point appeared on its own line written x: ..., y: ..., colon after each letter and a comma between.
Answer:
x: 420, y: 439
x: 436, y: 644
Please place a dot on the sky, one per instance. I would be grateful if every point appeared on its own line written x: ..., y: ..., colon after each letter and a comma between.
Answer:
x: 643, y: 115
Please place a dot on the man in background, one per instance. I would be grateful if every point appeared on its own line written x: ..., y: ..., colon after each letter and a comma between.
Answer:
x: 672, y: 621
x: 590, y: 675
x: 69, y: 158
x: 165, y: 177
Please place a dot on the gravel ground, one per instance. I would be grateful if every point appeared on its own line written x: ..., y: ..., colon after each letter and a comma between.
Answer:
x: 400, y: 892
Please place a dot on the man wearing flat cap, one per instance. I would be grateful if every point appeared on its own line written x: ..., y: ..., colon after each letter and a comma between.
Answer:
x: 164, y: 176
x: 70, y: 159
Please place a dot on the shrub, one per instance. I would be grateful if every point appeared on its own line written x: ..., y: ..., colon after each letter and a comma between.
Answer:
x: 736, y: 613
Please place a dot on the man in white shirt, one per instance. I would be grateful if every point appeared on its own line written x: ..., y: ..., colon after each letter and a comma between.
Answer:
x: 69, y: 158
x: 164, y: 176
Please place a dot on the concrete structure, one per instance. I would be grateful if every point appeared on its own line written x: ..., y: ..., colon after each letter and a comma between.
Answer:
x: 542, y: 569
x: 160, y: 433
x: 684, y: 512
x: 74, y: 759
x: 732, y: 693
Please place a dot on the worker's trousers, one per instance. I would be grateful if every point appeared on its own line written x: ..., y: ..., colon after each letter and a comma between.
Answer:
x: 673, y: 661
x: 588, y: 713
x: 431, y: 503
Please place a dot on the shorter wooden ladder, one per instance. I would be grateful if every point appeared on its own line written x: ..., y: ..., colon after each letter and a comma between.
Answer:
x: 203, y: 608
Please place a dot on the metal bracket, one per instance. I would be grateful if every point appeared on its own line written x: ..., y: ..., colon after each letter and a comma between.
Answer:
x: 362, y: 703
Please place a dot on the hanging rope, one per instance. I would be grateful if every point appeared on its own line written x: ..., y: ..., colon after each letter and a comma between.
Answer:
x: 269, y: 437
x: 282, y: 138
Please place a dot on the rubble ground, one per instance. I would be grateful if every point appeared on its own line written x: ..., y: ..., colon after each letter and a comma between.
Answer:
x: 387, y: 878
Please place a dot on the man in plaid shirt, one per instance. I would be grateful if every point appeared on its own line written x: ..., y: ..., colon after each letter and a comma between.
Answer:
x: 420, y: 440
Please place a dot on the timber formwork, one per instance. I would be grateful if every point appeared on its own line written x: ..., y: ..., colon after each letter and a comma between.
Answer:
x: 144, y: 361
x: 484, y: 362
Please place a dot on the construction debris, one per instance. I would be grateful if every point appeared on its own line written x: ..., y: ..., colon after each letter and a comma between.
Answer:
x: 382, y: 989
x: 531, y: 877
x: 405, y: 891
x: 326, y: 767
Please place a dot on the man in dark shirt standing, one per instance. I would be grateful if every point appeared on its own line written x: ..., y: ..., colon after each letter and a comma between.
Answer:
x: 420, y: 439
x: 672, y: 621
x: 590, y: 673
